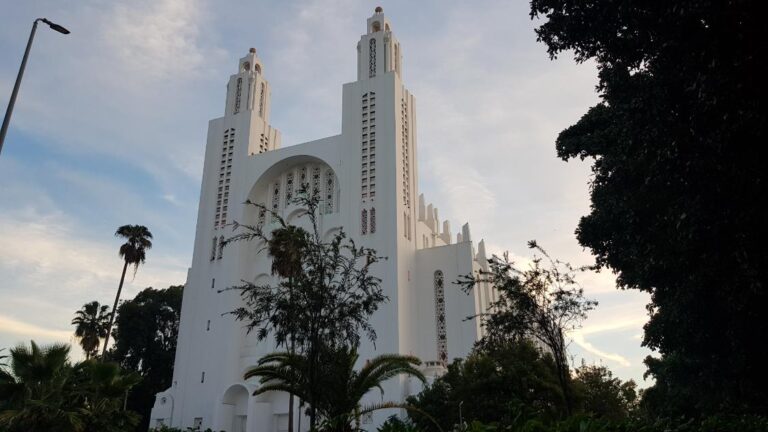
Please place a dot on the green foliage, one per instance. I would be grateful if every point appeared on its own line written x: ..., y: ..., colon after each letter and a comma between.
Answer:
x: 505, y: 383
x: 603, y: 396
x: 145, y: 342
x: 42, y: 391
x: 679, y: 183
x: 134, y: 252
x: 91, y: 327
x: 338, y: 387
x: 325, y: 294
x: 541, y: 302
x: 395, y: 424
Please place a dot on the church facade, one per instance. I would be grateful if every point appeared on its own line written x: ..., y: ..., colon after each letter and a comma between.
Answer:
x: 367, y: 179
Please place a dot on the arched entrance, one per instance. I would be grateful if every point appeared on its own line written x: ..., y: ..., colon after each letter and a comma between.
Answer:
x: 232, y: 412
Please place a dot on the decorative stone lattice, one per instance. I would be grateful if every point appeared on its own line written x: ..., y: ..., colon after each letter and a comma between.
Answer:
x: 372, y: 58
x: 442, y: 343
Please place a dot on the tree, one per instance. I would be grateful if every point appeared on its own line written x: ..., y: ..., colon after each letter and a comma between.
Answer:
x: 42, y: 391
x: 602, y: 395
x: 679, y: 182
x: 325, y: 304
x: 101, y: 388
x: 146, y: 332
x: 34, y: 390
x: 91, y: 326
x: 339, y: 404
x: 134, y: 252
x: 542, y: 302
x: 286, y: 248
x: 500, y: 383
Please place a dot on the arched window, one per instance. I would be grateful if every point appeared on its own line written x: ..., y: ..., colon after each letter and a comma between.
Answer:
x: 373, y: 220
x: 442, y: 342
x: 364, y: 222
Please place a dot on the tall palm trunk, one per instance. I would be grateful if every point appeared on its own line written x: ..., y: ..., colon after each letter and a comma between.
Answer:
x: 114, y: 311
x: 290, y: 396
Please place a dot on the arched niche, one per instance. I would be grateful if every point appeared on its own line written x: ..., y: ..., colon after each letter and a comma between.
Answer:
x: 277, y: 187
x: 232, y: 411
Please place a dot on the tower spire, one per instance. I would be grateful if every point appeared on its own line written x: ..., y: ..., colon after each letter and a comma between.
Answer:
x: 247, y: 90
x: 378, y: 50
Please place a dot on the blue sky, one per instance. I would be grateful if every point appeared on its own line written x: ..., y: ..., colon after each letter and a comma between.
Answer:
x: 110, y: 128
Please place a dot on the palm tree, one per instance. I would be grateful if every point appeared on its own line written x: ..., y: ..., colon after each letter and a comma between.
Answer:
x: 133, y: 251
x: 34, y: 391
x: 342, y: 387
x: 91, y: 326
x: 286, y: 248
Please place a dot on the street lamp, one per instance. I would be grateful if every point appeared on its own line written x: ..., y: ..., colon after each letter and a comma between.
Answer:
x: 9, y: 111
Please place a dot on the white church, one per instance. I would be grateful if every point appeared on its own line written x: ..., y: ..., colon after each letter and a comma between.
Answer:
x: 367, y: 178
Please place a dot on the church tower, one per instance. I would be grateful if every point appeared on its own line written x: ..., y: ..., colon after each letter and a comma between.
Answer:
x: 366, y: 178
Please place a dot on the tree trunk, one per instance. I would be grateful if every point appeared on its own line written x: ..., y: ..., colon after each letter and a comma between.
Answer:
x: 290, y: 396
x: 114, y: 311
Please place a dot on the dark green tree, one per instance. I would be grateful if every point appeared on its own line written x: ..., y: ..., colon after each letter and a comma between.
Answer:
x: 138, y: 240
x: 146, y: 330
x: 679, y: 182
x: 327, y: 303
x: 602, y: 395
x: 542, y: 302
x: 42, y: 391
x: 507, y: 382
x: 339, y: 404
x: 91, y: 327
x: 286, y: 248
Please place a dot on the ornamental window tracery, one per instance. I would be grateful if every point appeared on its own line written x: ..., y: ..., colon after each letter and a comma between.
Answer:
x: 442, y: 343
x: 261, y: 101
x: 372, y: 58
x: 238, y: 89
x: 275, y: 200
x: 225, y: 174
x: 289, y: 189
x: 315, y: 181
x: 330, y: 182
x: 221, y: 247
x: 373, y: 220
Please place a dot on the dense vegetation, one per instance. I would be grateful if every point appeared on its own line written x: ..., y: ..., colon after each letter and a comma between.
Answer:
x: 679, y: 183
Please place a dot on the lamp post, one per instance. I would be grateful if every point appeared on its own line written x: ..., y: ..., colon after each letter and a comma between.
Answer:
x: 9, y: 111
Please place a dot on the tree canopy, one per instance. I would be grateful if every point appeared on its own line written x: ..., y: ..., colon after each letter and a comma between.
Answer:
x: 679, y: 183
x: 147, y: 327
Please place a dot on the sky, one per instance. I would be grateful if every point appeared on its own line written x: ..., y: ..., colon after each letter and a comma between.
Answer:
x: 110, y: 126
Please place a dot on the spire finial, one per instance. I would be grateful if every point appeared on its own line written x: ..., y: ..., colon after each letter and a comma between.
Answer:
x: 379, y: 9
x: 252, y: 50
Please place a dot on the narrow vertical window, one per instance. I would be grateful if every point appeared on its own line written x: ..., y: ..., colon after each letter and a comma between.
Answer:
x: 275, y: 200
x: 373, y: 220
x: 364, y: 222
x: 237, y: 95
x: 372, y: 58
x: 288, y: 189
x: 213, y: 248
x: 208, y: 326
x: 261, y: 101
x: 202, y: 377
x: 442, y: 344
x: 221, y: 247
x: 213, y: 283
x: 330, y: 186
